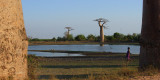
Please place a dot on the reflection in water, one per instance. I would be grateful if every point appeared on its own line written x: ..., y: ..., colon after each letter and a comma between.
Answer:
x: 135, y: 49
x: 48, y: 54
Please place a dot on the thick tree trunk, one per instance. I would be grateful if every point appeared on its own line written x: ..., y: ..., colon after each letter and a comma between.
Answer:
x: 150, y: 34
x: 13, y: 41
x: 101, y: 36
x: 68, y: 34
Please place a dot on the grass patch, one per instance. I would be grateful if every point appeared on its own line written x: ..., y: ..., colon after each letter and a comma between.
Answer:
x: 32, y: 65
x: 95, y: 67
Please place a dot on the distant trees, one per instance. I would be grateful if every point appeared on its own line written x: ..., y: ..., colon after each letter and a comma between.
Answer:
x: 109, y: 38
x: 91, y: 37
x: 35, y: 39
x: 80, y: 37
x: 54, y: 39
x: 70, y: 37
x: 61, y: 39
x: 116, y: 37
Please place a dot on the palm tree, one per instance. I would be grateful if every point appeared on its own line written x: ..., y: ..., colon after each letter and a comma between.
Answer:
x: 101, y: 23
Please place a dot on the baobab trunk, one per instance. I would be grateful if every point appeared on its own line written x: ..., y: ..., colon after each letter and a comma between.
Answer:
x: 13, y: 41
x: 68, y: 34
x: 101, y: 36
x: 150, y: 34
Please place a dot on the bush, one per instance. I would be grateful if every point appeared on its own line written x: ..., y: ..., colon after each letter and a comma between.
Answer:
x: 70, y: 38
x: 97, y: 38
x: 91, y: 37
x: 54, y: 39
x: 80, y: 38
x: 35, y: 39
x: 61, y: 39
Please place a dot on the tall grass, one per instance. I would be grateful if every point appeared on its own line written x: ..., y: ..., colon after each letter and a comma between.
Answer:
x: 32, y: 65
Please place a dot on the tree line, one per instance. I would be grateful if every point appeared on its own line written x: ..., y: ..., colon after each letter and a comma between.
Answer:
x: 116, y: 37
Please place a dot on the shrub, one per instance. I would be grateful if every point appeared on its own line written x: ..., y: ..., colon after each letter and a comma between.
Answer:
x: 80, y: 37
x: 35, y: 39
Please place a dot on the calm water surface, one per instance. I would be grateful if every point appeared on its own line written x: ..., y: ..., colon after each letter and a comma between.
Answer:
x: 49, y: 54
x: 135, y: 49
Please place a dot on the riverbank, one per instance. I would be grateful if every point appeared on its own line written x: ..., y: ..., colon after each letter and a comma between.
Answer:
x: 78, y: 43
x: 87, y: 54
x: 94, y: 66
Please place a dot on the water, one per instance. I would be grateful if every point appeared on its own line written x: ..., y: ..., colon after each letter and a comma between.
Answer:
x: 49, y: 54
x: 135, y: 49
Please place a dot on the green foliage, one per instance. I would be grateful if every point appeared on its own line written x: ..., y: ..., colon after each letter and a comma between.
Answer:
x: 116, y: 37
x: 70, y: 37
x: 80, y: 37
x: 136, y: 37
x: 35, y: 39
x: 61, y: 39
x: 109, y: 38
x: 54, y: 39
x: 65, y: 38
x: 130, y: 37
x: 97, y: 38
x: 91, y: 37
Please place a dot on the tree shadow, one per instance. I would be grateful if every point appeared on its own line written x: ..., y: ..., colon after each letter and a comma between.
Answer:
x: 82, y: 76
x: 83, y: 66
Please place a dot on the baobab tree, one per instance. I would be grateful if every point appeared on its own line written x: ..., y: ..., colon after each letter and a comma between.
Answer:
x: 13, y: 41
x: 150, y: 40
x: 101, y: 23
x: 68, y: 30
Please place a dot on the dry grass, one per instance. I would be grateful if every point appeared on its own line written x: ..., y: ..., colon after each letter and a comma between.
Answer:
x: 103, y: 67
x: 32, y: 65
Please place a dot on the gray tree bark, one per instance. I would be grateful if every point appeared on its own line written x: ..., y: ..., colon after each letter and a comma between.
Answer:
x: 150, y: 34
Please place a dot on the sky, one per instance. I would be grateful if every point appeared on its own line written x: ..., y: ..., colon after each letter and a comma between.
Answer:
x: 46, y: 19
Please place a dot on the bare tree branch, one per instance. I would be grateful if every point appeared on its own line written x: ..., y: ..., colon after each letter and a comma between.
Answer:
x: 105, y: 27
x: 101, y: 21
x: 69, y: 28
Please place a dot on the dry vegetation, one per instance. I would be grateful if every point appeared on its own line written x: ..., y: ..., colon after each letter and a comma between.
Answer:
x: 92, y: 67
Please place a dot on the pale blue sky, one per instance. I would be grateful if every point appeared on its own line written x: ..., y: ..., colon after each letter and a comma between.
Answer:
x: 48, y: 18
